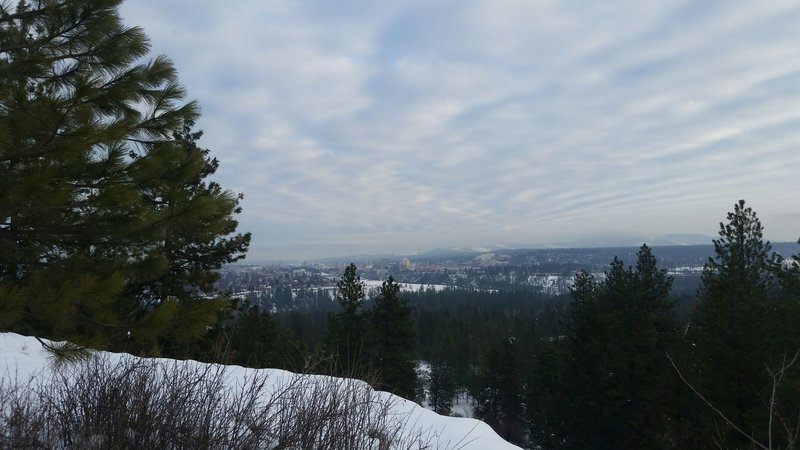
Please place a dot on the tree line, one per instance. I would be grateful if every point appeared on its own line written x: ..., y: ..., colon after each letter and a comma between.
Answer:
x: 613, y: 365
x: 624, y: 372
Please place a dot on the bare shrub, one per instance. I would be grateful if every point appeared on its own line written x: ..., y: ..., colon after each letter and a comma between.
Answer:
x: 22, y: 419
x: 140, y: 403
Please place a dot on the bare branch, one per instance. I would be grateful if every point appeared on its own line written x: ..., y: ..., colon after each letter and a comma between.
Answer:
x: 716, y: 410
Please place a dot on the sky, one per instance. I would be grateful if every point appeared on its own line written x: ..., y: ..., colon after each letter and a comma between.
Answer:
x: 362, y: 127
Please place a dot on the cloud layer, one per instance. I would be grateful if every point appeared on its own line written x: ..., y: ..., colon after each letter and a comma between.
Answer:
x: 372, y: 127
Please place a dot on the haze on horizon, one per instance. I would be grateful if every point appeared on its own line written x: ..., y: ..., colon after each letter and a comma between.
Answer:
x: 397, y: 127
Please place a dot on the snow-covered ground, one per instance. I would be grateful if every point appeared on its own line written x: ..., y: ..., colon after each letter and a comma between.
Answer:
x: 371, y: 288
x: 404, y: 287
x: 23, y: 359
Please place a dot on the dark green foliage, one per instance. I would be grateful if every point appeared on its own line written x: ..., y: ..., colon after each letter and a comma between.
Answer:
x: 309, y: 328
x: 459, y: 327
x: 110, y: 234
x: 442, y: 388
x: 499, y: 391
x: 350, y: 290
x: 546, y: 392
x: 454, y: 329
x: 346, y: 329
x: 392, y: 343
x: 254, y: 339
x: 251, y: 337
x: 787, y: 314
x: 615, y: 366
x: 746, y: 322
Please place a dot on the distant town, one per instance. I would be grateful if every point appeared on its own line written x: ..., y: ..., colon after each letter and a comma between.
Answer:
x: 549, y: 271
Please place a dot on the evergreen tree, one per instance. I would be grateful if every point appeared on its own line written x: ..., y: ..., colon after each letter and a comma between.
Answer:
x: 442, y: 388
x: 618, y: 335
x: 499, y: 396
x: 254, y: 338
x: 787, y: 307
x: 443, y: 380
x: 546, y: 393
x: 109, y: 233
x: 734, y: 332
x: 346, y: 329
x: 392, y: 341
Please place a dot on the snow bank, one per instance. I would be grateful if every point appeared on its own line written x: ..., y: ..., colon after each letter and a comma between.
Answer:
x: 23, y: 359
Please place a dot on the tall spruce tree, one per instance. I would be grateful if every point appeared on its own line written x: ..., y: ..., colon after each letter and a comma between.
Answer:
x: 392, y: 342
x: 499, y: 397
x: 109, y: 231
x: 618, y: 335
x: 346, y: 329
x: 734, y: 332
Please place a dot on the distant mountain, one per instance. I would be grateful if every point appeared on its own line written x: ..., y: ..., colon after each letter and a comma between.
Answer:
x: 592, y: 242
x: 635, y: 241
x: 681, y: 239
x: 358, y: 259
x: 443, y: 253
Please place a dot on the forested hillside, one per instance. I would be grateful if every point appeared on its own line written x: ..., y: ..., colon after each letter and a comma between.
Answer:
x: 621, y: 362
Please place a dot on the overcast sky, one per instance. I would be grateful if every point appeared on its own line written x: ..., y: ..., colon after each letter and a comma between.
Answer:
x: 393, y: 127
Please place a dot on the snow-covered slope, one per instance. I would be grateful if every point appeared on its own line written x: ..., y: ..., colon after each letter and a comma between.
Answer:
x: 23, y: 359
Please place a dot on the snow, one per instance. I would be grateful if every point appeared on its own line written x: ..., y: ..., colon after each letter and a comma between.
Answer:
x: 463, y: 404
x: 405, y: 287
x: 24, y: 359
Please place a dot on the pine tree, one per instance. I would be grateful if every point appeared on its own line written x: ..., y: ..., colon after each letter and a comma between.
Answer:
x: 499, y: 397
x: 443, y: 379
x: 734, y: 330
x: 442, y: 388
x: 109, y: 233
x: 546, y: 393
x: 392, y: 345
x: 346, y: 329
x: 618, y: 335
x: 787, y: 308
x: 254, y: 338
x: 196, y: 240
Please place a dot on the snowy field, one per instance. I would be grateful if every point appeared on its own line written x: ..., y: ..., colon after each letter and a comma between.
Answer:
x: 23, y: 360
x: 404, y: 287
x: 371, y: 288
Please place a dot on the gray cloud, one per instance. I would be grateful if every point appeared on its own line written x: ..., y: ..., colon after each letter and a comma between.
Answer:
x: 368, y: 127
